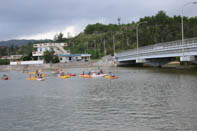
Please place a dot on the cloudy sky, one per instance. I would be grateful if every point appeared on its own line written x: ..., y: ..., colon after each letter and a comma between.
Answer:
x: 42, y: 19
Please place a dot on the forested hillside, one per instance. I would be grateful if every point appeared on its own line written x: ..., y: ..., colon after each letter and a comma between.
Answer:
x: 98, y: 38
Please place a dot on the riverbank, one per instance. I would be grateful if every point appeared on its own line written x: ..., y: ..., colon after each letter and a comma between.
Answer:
x: 47, y: 66
x: 107, y: 61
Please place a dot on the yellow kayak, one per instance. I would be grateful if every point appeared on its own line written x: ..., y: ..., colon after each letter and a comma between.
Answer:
x: 64, y: 77
x: 30, y: 73
x: 35, y: 78
x: 31, y: 78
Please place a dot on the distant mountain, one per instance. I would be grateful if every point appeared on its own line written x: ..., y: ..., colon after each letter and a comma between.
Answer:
x: 20, y: 42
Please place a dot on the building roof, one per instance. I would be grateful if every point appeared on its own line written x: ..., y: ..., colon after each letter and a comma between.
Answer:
x: 71, y: 55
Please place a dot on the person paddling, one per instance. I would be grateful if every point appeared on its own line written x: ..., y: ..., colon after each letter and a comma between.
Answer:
x: 4, y: 77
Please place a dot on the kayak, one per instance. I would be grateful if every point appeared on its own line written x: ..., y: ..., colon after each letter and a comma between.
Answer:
x: 5, y: 78
x: 31, y: 78
x: 81, y: 75
x: 111, y: 77
x: 85, y: 76
x: 64, y: 77
x: 98, y: 75
x: 35, y: 78
x: 71, y: 74
x: 44, y: 75
x: 40, y: 79
x: 30, y: 73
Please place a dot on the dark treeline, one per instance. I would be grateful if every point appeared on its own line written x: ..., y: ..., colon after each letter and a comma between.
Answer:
x: 16, y: 50
x: 25, y: 50
x: 9, y: 50
x: 18, y: 47
x: 157, y: 29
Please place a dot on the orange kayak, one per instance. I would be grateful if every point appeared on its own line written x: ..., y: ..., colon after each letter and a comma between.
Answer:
x: 85, y: 76
x: 111, y: 77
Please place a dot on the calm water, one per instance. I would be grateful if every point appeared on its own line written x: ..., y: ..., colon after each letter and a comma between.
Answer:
x: 141, y: 100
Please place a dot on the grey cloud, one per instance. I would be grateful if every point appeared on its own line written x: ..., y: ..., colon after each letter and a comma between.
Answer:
x: 29, y: 17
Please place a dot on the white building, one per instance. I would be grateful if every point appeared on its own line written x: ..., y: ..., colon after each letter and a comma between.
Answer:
x: 42, y: 47
x: 64, y: 55
x: 74, y: 57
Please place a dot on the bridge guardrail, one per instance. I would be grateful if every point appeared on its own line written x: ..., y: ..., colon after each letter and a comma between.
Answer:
x: 161, y: 47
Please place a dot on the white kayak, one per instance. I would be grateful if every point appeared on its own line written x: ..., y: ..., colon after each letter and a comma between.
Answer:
x: 98, y: 75
x: 40, y: 79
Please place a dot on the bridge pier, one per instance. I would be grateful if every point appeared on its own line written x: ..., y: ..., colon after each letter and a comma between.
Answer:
x: 139, y: 60
x: 187, y: 58
x: 129, y: 63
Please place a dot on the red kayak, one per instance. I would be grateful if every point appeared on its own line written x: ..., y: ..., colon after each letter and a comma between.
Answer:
x: 71, y: 74
x: 6, y: 78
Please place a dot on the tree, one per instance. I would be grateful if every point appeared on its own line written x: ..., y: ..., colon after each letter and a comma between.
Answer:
x: 27, y: 57
x: 59, y: 37
x: 3, y: 51
x: 4, y: 62
x: 50, y: 57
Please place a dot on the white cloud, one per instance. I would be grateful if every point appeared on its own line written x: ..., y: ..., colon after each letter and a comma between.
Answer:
x: 69, y: 31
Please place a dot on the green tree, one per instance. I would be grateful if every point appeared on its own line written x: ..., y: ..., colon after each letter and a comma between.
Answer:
x: 3, y: 51
x: 4, y: 62
x: 59, y: 37
x: 27, y: 57
x: 50, y: 57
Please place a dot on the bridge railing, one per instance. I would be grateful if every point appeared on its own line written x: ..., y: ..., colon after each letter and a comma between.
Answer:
x: 167, y: 46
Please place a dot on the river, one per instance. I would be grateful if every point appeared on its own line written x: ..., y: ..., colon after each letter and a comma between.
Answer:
x: 142, y: 99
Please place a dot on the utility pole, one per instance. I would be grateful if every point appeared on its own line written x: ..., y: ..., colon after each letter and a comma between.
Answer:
x: 99, y: 52
x: 8, y: 51
x: 182, y: 30
x: 127, y: 38
x: 73, y: 45
x: 95, y: 45
x: 118, y: 20
x: 114, y: 48
x: 138, y: 38
x: 104, y: 46
x: 87, y: 46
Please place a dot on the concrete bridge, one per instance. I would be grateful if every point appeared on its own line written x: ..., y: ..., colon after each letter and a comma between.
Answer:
x: 160, y: 54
